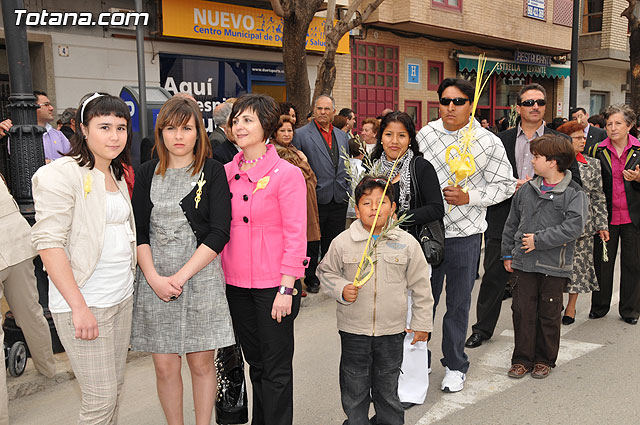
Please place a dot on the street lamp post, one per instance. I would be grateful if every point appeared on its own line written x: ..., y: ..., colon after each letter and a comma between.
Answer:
x: 25, y: 137
x: 27, y: 151
x: 573, y: 79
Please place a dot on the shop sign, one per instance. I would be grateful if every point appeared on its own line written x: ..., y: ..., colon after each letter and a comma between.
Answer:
x: 529, y: 58
x: 269, y: 70
x: 470, y: 63
x: 413, y: 73
x: 535, y: 9
x: 205, y: 20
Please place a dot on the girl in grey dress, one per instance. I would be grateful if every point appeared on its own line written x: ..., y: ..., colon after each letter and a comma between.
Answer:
x: 183, y: 212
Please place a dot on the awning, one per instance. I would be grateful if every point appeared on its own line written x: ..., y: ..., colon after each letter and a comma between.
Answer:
x: 470, y: 63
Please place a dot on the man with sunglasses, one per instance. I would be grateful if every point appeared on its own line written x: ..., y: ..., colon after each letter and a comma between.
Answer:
x: 492, y: 182
x: 531, y: 108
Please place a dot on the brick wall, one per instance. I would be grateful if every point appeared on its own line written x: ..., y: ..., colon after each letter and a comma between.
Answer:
x: 614, y: 26
x: 498, y: 19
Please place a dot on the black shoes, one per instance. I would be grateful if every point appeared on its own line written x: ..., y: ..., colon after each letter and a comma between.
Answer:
x: 593, y: 315
x: 568, y: 320
x: 475, y: 340
x: 631, y: 320
x: 407, y: 405
x: 313, y: 288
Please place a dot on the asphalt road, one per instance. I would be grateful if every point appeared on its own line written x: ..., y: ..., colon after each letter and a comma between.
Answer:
x: 597, y: 380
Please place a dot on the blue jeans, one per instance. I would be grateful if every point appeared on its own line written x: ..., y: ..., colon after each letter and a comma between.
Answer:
x: 460, y: 267
x: 369, y: 368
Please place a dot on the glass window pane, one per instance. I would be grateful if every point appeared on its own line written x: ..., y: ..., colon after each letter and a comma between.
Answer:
x: 372, y: 65
x: 389, y: 81
x: 396, y: 67
x: 362, y: 64
x: 389, y: 67
x: 380, y: 66
x: 371, y: 51
x: 362, y: 50
x: 452, y: 3
x: 355, y: 94
x: 434, y: 75
x: 389, y: 53
x: 379, y: 80
x: 381, y: 52
x: 395, y: 79
x: 507, y: 88
x: 371, y: 80
x: 362, y: 79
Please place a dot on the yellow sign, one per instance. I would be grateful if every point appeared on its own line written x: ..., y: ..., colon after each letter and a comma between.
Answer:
x: 206, y: 20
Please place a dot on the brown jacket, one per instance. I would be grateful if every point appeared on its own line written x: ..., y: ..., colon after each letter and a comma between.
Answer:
x: 15, y: 232
x: 381, y: 306
x: 295, y: 157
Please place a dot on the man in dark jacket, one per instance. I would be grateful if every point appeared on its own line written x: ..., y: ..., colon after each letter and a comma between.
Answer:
x: 516, y: 141
x: 592, y: 133
x: 324, y: 146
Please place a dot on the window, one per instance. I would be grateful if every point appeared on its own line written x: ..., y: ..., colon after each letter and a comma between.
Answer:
x: 448, y: 4
x: 598, y: 101
x: 433, y: 111
x: 592, y: 17
x: 375, y: 78
x: 414, y: 109
x: 436, y: 70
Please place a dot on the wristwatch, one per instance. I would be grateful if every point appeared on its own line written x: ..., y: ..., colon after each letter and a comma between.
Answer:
x: 285, y: 290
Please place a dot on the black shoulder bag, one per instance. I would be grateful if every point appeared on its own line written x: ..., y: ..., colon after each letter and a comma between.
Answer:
x: 430, y: 235
x: 231, y: 397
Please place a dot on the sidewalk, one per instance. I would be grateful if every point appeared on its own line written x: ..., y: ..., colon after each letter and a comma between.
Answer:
x: 31, y: 382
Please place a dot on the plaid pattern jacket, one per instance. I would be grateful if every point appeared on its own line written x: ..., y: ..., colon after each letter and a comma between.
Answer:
x: 493, y: 181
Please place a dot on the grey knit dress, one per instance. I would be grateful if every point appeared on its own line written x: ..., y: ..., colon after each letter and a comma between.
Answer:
x: 199, y: 319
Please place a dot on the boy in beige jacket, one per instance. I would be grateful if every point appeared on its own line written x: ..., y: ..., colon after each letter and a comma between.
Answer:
x: 372, y: 317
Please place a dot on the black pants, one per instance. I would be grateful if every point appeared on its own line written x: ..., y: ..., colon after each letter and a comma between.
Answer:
x: 629, y: 237
x: 268, y: 348
x: 537, y: 311
x: 369, y: 370
x: 333, y: 218
x: 491, y: 293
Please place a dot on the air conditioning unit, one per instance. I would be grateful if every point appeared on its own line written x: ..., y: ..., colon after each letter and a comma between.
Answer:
x: 586, y: 83
x: 625, y: 87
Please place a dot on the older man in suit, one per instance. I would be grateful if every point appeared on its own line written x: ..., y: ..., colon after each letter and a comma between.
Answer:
x: 592, y: 133
x: 18, y: 285
x: 324, y: 146
x: 531, y: 107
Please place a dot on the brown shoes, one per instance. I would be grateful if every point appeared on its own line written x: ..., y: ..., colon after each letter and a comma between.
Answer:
x: 517, y: 371
x: 540, y: 371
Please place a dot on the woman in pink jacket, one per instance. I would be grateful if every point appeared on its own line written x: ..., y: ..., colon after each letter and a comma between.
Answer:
x: 265, y: 256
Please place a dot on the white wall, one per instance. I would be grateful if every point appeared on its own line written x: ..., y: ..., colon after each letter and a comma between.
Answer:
x: 603, y: 79
x: 107, y: 64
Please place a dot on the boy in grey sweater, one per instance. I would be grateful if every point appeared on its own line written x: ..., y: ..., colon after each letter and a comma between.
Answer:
x: 547, y: 215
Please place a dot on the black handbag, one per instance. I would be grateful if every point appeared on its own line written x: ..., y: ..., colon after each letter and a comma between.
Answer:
x: 231, y: 397
x: 430, y: 235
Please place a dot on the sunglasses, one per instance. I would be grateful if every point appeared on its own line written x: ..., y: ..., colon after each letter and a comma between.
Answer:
x: 458, y: 101
x: 529, y: 103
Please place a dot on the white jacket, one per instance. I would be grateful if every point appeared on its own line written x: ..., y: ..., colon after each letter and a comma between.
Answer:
x: 492, y: 183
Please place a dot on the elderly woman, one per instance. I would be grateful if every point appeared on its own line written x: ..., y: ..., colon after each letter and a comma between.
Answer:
x: 265, y: 256
x: 619, y: 156
x: 282, y: 140
x: 397, y: 139
x: 370, y: 129
x: 584, y: 274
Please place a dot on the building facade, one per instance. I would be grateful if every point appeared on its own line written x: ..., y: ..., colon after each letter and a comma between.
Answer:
x: 408, y: 46
x: 603, y: 74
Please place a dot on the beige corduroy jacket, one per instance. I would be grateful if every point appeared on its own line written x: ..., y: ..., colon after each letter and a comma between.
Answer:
x: 381, y: 306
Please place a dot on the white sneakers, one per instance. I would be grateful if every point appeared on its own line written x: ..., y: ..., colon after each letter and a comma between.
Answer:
x: 453, y: 381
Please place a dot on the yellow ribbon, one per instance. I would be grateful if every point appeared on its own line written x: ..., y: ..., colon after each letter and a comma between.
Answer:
x: 262, y: 183
x: 200, y: 183
x: 357, y: 282
x: 87, y: 184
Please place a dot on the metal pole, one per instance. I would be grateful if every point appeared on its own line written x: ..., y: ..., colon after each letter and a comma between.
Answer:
x: 27, y: 152
x: 573, y: 80
x: 142, y: 81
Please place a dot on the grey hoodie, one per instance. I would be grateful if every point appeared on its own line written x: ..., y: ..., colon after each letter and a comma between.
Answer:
x: 557, y: 219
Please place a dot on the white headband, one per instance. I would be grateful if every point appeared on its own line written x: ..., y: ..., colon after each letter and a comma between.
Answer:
x: 86, y: 102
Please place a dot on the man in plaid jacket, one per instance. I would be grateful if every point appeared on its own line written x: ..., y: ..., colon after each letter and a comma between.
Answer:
x: 491, y: 183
